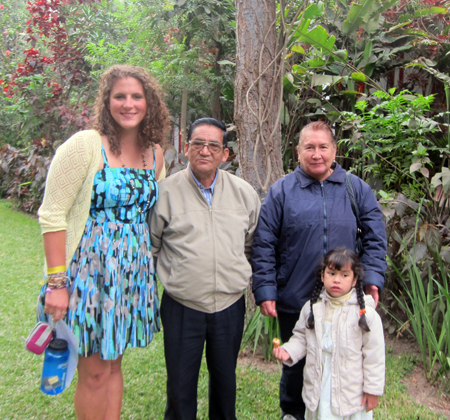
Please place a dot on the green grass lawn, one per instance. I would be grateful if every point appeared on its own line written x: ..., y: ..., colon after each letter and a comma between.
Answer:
x: 21, y: 262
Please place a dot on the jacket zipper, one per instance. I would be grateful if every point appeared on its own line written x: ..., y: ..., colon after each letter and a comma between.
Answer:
x: 214, y: 256
x: 325, y: 226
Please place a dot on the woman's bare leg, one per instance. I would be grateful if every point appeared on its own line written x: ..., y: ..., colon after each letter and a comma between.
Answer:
x: 115, y: 390
x: 99, y: 389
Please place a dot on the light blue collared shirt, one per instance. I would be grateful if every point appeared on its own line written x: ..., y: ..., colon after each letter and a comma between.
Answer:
x: 207, y: 192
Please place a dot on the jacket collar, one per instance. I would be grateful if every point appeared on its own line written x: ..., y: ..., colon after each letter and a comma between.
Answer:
x: 190, y: 179
x: 353, y: 300
x: 338, y: 176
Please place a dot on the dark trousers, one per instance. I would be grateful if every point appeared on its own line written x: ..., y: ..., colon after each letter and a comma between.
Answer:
x: 291, y: 382
x: 185, y: 333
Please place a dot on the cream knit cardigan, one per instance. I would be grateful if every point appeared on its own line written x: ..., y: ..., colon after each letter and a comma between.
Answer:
x: 68, y: 188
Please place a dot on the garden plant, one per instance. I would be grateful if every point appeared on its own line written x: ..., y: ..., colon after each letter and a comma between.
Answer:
x: 375, y: 70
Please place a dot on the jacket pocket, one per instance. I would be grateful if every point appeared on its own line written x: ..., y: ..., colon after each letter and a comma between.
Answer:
x: 350, y: 342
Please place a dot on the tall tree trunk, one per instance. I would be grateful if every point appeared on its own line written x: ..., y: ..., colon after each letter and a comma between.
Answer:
x: 183, y: 117
x: 184, y: 96
x: 258, y: 93
x: 216, y: 108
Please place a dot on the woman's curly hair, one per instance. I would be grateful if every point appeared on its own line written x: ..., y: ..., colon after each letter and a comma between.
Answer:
x: 153, y: 127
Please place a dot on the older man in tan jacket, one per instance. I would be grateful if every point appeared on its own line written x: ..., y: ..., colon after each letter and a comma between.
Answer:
x: 202, y: 229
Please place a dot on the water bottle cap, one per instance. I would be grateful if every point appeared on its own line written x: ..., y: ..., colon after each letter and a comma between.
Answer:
x: 58, y: 344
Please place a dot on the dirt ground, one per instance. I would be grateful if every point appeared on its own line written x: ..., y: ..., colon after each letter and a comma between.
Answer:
x: 419, y: 388
x: 258, y: 362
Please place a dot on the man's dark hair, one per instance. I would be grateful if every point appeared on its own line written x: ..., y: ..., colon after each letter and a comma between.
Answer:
x: 209, y: 121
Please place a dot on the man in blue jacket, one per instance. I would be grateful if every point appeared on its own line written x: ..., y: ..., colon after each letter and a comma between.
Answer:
x: 304, y: 215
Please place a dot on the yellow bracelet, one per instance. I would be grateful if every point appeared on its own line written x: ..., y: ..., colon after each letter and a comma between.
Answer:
x: 53, y: 270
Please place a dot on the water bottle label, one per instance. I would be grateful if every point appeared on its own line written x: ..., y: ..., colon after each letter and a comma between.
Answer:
x: 51, y: 382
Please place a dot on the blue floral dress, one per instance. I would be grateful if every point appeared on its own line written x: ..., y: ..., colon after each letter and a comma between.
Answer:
x: 113, y: 300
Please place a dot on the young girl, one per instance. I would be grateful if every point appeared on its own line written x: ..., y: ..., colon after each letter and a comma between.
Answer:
x: 342, y: 337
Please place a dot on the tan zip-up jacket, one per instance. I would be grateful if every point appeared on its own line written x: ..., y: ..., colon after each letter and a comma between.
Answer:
x: 358, y: 360
x: 203, y: 250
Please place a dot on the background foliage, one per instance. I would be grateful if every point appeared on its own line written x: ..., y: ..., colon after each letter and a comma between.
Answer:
x: 376, y: 70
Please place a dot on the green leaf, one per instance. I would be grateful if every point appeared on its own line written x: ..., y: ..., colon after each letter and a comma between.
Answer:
x: 316, y: 62
x: 372, y: 25
x: 368, y: 50
x: 392, y: 90
x: 355, y: 16
x: 323, y: 79
x: 358, y: 77
x: 368, y: 69
x: 433, y: 239
x: 298, y: 49
x: 224, y: 62
x: 412, y: 124
x: 288, y: 85
x: 342, y: 54
x: 431, y: 11
x: 318, y: 36
x: 298, y: 69
x: 415, y: 167
x: 314, y: 101
x: 446, y: 181
x: 313, y: 11
x: 405, y: 19
x: 425, y: 172
x: 445, y: 254
x: 284, y: 115
x: 436, y: 180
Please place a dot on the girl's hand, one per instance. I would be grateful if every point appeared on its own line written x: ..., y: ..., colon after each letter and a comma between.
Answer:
x: 370, y: 400
x: 281, y: 354
x: 56, y: 303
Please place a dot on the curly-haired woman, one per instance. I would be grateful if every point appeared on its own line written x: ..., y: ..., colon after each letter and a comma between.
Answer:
x: 100, y: 186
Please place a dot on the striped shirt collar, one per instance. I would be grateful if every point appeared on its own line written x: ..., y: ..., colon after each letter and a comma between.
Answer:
x: 207, y: 192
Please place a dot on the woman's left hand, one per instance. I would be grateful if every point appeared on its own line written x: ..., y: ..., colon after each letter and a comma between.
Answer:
x: 56, y: 303
x: 372, y: 290
x: 370, y: 400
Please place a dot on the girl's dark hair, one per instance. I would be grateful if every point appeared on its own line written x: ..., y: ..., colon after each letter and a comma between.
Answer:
x: 338, y: 258
x: 153, y: 127
x: 209, y: 121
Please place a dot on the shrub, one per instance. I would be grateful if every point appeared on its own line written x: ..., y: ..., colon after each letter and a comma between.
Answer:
x: 23, y: 174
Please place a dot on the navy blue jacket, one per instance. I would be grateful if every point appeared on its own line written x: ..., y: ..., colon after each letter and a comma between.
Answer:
x: 302, y: 219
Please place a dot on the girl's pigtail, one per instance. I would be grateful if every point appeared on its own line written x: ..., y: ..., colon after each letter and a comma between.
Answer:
x: 315, y: 295
x: 362, y: 306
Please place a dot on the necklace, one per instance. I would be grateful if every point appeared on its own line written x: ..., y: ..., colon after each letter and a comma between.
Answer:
x: 139, y: 209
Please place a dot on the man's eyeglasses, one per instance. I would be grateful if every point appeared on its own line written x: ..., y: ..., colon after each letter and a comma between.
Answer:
x: 213, y: 146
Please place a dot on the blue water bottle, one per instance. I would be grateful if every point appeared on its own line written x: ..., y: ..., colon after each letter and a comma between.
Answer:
x: 55, y: 367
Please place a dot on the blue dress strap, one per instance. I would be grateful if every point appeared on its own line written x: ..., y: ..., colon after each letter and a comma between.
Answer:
x: 105, y: 160
x: 154, y: 159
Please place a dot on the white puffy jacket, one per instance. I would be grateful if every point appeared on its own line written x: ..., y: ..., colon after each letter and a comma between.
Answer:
x: 358, y: 359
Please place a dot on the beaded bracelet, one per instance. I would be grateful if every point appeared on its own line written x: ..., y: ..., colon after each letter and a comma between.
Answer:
x: 57, y: 282
x: 58, y: 275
